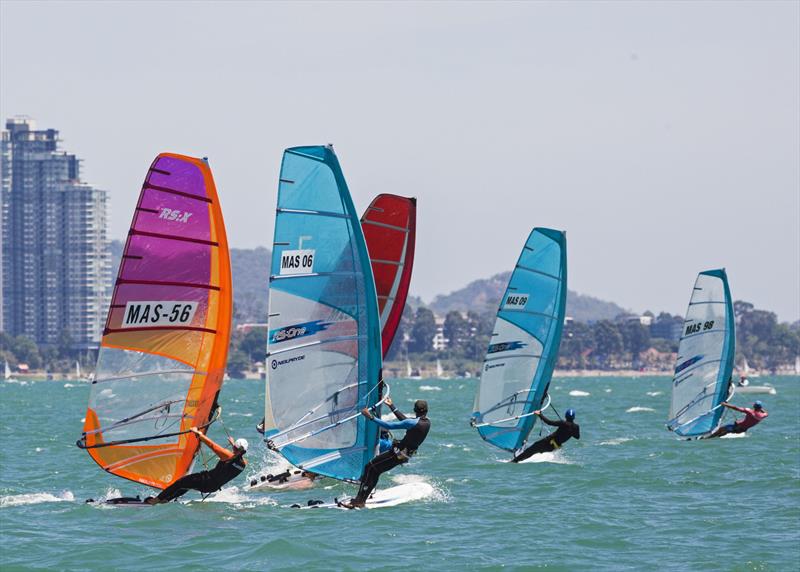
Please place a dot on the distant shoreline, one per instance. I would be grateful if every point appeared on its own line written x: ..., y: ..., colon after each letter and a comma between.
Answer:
x: 391, y: 374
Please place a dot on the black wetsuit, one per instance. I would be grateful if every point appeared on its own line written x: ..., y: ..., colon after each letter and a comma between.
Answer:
x: 566, y: 430
x: 401, y: 451
x: 205, y: 481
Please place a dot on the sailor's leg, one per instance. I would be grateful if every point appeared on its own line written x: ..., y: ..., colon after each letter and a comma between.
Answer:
x: 180, y: 487
x: 541, y: 446
x: 372, y: 472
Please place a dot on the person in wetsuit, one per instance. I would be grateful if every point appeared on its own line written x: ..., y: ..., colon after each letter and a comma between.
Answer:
x: 400, y: 452
x: 752, y: 417
x: 567, y: 429
x: 231, y: 464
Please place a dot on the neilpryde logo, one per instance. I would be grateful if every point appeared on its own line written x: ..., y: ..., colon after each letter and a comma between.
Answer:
x: 275, y: 363
x: 489, y: 366
x: 297, y: 331
x: 505, y: 347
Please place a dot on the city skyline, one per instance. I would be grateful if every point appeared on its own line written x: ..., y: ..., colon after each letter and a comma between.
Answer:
x: 54, y: 255
x: 660, y: 158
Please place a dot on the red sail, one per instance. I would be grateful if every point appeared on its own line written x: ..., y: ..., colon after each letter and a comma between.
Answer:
x: 390, y: 226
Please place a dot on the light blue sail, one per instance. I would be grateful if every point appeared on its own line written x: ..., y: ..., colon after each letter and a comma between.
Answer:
x: 524, y: 346
x: 705, y: 358
x: 324, y: 345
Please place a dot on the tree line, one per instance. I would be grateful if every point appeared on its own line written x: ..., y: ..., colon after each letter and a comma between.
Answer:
x: 605, y: 344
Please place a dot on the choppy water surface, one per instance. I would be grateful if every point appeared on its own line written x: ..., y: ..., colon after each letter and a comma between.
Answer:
x: 626, y: 497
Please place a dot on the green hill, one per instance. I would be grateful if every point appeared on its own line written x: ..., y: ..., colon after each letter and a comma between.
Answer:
x: 250, y: 268
x: 483, y: 296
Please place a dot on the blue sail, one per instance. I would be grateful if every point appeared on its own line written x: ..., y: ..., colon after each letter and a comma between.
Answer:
x: 324, y: 345
x: 705, y: 358
x: 524, y: 346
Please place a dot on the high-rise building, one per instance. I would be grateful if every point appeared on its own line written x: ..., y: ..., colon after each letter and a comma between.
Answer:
x: 55, y: 261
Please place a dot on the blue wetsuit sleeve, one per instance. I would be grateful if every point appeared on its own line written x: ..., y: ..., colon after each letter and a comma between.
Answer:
x: 405, y: 424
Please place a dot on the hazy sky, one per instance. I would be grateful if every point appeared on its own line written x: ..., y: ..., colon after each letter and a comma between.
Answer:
x: 665, y: 138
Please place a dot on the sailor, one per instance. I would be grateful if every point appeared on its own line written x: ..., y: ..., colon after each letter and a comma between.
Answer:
x: 231, y: 464
x: 400, y: 452
x: 752, y: 417
x: 567, y: 429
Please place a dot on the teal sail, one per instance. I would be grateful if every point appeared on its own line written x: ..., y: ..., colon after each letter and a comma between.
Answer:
x: 524, y: 346
x: 703, y: 369
x: 324, y: 344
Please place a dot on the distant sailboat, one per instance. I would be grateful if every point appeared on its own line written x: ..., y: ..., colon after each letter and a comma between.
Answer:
x: 702, y: 379
x: 439, y: 369
x: 409, y: 371
x: 743, y: 385
x: 7, y: 374
x: 797, y: 365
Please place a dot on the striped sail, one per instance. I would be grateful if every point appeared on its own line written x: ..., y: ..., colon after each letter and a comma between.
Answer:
x: 705, y: 358
x: 164, y: 347
x: 524, y: 346
x: 324, y: 344
x: 390, y: 226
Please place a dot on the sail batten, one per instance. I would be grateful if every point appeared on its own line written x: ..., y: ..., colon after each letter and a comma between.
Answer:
x: 323, y: 347
x: 705, y: 358
x: 524, y: 345
x: 164, y: 347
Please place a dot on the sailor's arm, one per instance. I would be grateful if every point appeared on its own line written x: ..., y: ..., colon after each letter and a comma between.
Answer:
x: 404, y: 424
x: 220, y: 452
x: 546, y: 420
x: 734, y: 407
x: 397, y: 413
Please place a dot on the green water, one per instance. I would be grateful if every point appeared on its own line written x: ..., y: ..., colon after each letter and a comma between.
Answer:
x: 627, y: 496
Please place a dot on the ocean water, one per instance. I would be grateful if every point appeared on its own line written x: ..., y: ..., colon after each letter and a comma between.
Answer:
x: 627, y: 496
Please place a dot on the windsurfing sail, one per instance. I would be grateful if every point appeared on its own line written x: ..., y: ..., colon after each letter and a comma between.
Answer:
x: 702, y: 378
x: 163, y: 352
x: 324, y: 343
x: 390, y: 228
x: 523, y: 349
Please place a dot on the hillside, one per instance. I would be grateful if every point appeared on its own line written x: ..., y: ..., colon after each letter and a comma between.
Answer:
x: 250, y: 268
x: 484, y: 295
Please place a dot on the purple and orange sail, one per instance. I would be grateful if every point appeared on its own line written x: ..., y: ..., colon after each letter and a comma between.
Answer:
x: 390, y: 226
x: 164, y: 348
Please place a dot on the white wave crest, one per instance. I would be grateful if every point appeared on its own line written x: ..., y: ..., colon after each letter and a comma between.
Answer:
x: 579, y: 393
x: 617, y: 441
x: 237, y: 498
x: 68, y: 385
x: 429, y: 388
x: 654, y: 393
x: 35, y: 498
x: 637, y: 409
x: 439, y: 494
x: 556, y: 457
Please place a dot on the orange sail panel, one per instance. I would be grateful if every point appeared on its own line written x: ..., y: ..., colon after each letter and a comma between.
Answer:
x: 163, y: 353
x: 390, y: 226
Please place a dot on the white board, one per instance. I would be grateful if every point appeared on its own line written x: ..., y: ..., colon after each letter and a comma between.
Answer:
x: 392, y: 496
